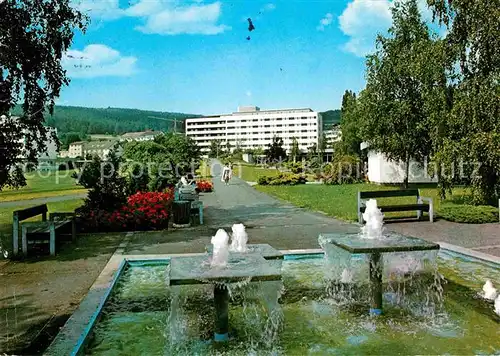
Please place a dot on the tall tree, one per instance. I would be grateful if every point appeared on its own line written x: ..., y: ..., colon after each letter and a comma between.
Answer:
x: 473, y: 124
x: 400, y: 77
x: 275, y: 151
x: 350, y: 125
x: 294, y: 149
x: 34, y: 34
x: 215, y: 149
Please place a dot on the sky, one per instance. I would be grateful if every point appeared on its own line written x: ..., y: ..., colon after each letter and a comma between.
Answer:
x: 194, y: 56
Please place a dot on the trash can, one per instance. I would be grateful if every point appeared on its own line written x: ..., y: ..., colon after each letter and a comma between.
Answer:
x: 182, y: 213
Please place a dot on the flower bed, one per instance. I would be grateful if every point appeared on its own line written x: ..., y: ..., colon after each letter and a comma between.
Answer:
x: 204, y: 186
x: 143, y: 211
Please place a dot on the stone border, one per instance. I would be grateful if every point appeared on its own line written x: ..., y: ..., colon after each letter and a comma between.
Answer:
x: 469, y: 252
x: 72, y: 337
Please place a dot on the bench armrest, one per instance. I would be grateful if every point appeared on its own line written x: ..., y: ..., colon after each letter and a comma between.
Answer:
x: 431, y: 207
x: 429, y: 200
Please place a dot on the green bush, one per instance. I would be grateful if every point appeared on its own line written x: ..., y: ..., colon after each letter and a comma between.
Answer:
x: 469, y: 214
x: 344, y: 169
x: 294, y: 167
x: 264, y: 180
x: 282, y: 179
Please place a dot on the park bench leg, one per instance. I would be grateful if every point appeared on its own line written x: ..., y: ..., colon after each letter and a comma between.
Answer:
x: 431, y: 213
x: 73, y: 230
x: 25, y: 240
x: 15, y: 235
x: 52, y: 241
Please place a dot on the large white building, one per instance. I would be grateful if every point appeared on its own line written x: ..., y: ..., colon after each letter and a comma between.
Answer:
x: 251, y: 128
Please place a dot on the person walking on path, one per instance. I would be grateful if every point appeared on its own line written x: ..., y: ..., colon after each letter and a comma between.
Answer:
x: 226, y: 174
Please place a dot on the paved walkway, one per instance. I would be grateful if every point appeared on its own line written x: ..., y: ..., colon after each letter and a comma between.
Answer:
x: 285, y: 226
x: 268, y: 220
x: 39, y: 201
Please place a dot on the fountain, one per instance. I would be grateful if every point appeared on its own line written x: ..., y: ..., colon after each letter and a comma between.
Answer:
x: 239, y: 239
x: 489, y: 290
x: 224, y: 267
x: 375, y: 244
x: 220, y: 249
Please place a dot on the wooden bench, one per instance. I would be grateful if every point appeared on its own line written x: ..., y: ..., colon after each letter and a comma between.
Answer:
x: 38, y: 231
x: 419, y: 206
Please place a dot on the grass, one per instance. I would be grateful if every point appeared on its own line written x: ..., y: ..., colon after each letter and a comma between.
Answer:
x: 43, y: 184
x: 251, y: 173
x: 6, y: 218
x: 204, y: 170
x: 340, y: 201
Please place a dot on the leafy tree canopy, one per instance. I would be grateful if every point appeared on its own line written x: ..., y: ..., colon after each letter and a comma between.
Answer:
x: 275, y: 151
x: 400, y: 79
x: 470, y: 129
x: 34, y: 34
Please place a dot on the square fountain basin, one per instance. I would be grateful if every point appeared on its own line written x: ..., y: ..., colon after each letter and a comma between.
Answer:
x: 240, y: 267
x: 354, y: 243
x: 264, y: 250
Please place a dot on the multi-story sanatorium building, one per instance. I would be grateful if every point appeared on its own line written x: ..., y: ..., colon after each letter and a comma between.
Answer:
x: 251, y: 128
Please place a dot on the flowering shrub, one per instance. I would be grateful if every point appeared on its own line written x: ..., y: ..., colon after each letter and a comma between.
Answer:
x: 204, y: 186
x: 143, y: 211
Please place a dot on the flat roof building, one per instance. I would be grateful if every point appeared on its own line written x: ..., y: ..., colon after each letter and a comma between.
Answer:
x: 250, y: 128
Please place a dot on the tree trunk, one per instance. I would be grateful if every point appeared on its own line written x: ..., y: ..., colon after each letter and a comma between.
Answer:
x: 407, y: 170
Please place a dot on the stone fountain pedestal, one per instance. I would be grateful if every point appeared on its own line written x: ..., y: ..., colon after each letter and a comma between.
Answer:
x: 241, y: 267
x: 374, y: 248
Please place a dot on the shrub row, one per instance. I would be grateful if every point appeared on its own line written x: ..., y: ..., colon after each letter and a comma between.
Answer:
x: 469, y: 214
x: 143, y: 211
x: 282, y: 179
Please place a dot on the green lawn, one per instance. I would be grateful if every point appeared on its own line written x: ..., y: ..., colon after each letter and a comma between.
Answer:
x: 6, y: 218
x: 251, y: 173
x: 43, y: 184
x: 340, y: 201
x: 204, y: 170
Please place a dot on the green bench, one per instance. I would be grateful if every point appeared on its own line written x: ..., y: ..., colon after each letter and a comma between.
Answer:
x: 40, y: 232
x: 422, y: 204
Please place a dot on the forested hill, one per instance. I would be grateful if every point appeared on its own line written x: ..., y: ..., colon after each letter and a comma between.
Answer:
x: 330, y: 117
x: 112, y: 121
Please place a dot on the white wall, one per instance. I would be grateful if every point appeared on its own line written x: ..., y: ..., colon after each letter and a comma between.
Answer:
x: 381, y: 170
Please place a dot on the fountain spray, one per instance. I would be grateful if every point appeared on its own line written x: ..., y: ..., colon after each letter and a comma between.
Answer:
x: 220, y: 249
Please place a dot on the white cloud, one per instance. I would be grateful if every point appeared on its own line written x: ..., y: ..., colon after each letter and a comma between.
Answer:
x: 166, y: 17
x: 193, y: 19
x: 325, y: 21
x: 361, y: 21
x: 268, y: 7
x: 145, y: 8
x: 97, y: 60
x: 100, y: 9
x: 248, y: 93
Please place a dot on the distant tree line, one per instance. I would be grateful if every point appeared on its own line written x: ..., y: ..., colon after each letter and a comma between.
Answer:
x: 110, y: 121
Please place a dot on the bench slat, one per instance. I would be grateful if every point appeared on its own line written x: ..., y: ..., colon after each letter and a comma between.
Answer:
x: 44, y: 227
x: 405, y: 207
x: 389, y: 193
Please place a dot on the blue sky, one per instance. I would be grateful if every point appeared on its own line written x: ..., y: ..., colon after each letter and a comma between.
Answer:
x: 193, y: 56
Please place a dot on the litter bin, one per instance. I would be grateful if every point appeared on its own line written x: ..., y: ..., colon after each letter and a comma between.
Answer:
x: 182, y: 213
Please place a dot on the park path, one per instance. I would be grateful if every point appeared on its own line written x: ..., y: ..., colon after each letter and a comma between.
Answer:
x: 39, y: 201
x: 284, y: 226
x: 267, y: 220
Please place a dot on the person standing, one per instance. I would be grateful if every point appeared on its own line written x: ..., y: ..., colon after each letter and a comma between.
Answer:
x: 226, y: 174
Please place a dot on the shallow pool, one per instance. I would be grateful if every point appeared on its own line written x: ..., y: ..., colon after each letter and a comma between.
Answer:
x: 135, y: 320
